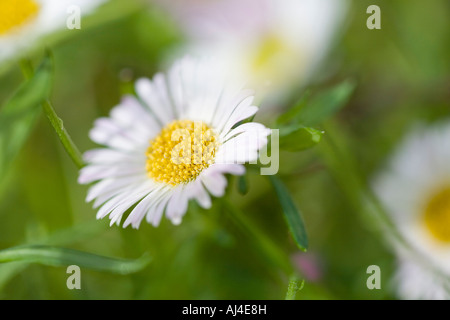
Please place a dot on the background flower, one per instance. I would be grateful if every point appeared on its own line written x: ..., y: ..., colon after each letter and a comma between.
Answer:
x: 415, y: 189
x: 278, y: 43
x: 25, y: 22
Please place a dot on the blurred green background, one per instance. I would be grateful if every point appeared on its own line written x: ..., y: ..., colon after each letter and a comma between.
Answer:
x: 402, y: 76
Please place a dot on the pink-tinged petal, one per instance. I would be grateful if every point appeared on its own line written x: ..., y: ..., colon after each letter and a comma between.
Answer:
x: 131, y: 114
x: 215, y: 183
x: 108, y: 133
x: 197, y: 191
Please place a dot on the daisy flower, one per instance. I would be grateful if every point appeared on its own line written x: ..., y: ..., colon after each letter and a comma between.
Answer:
x: 278, y: 43
x: 415, y: 190
x: 23, y: 22
x: 172, y: 142
x: 413, y: 281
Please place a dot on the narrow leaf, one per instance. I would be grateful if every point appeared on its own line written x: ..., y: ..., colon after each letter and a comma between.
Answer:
x: 55, y: 256
x: 291, y: 214
x: 19, y: 114
x: 298, y: 137
x: 310, y: 111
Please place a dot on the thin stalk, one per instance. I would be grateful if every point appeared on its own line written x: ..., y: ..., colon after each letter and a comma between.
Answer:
x: 63, y: 135
x: 295, y: 285
x: 56, y: 122
x: 266, y: 245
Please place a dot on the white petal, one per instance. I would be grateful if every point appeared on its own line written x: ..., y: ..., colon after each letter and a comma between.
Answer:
x: 198, y: 192
x: 142, y: 208
x: 242, y: 99
x: 244, y: 147
x: 234, y: 169
x: 93, y: 173
x: 177, y: 205
x: 214, y: 182
x: 108, y: 133
x: 154, y: 100
x: 110, y: 185
x: 155, y: 213
x: 103, y: 156
x: 128, y: 197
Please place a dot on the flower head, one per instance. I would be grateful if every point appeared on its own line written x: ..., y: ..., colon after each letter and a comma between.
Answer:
x: 23, y: 22
x: 415, y: 189
x: 278, y: 43
x: 173, y: 142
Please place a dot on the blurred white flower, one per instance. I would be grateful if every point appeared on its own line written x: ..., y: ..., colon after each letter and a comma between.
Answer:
x: 415, y: 190
x: 24, y: 22
x: 413, y: 281
x: 277, y: 43
x: 174, y: 142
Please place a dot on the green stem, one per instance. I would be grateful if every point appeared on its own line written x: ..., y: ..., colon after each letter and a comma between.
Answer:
x: 295, y: 285
x: 265, y: 244
x: 56, y: 122
x: 63, y: 135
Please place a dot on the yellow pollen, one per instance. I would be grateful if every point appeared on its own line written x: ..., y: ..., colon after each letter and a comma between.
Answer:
x: 181, y: 151
x: 437, y: 215
x: 15, y: 13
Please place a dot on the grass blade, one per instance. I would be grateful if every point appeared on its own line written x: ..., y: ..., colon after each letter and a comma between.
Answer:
x: 291, y: 213
x: 57, y: 257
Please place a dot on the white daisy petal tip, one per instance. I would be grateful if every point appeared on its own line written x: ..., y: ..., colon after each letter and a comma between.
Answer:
x: 176, y: 221
x: 137, y: 167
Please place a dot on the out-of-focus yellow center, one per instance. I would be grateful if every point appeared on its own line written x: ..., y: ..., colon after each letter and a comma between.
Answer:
x: 16, y: 13
x: 437, y: 215
x: 268, y: 49
x: 181, y: 151
x: 273, y: 59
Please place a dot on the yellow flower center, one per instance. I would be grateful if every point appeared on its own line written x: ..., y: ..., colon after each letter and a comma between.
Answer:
x: 181, y: 151
x: 267, y: 50
x: 437, y: 215
x: 16, y: 13
x: 272, y: 58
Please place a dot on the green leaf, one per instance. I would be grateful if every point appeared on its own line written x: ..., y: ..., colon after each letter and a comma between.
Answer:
x: 57, y: 257
x: 19, y: 114
x: 291, y: 214
x: 293, y: 112
x: 310, y: 111
x: 298, y: 138
x: 243, y: 184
